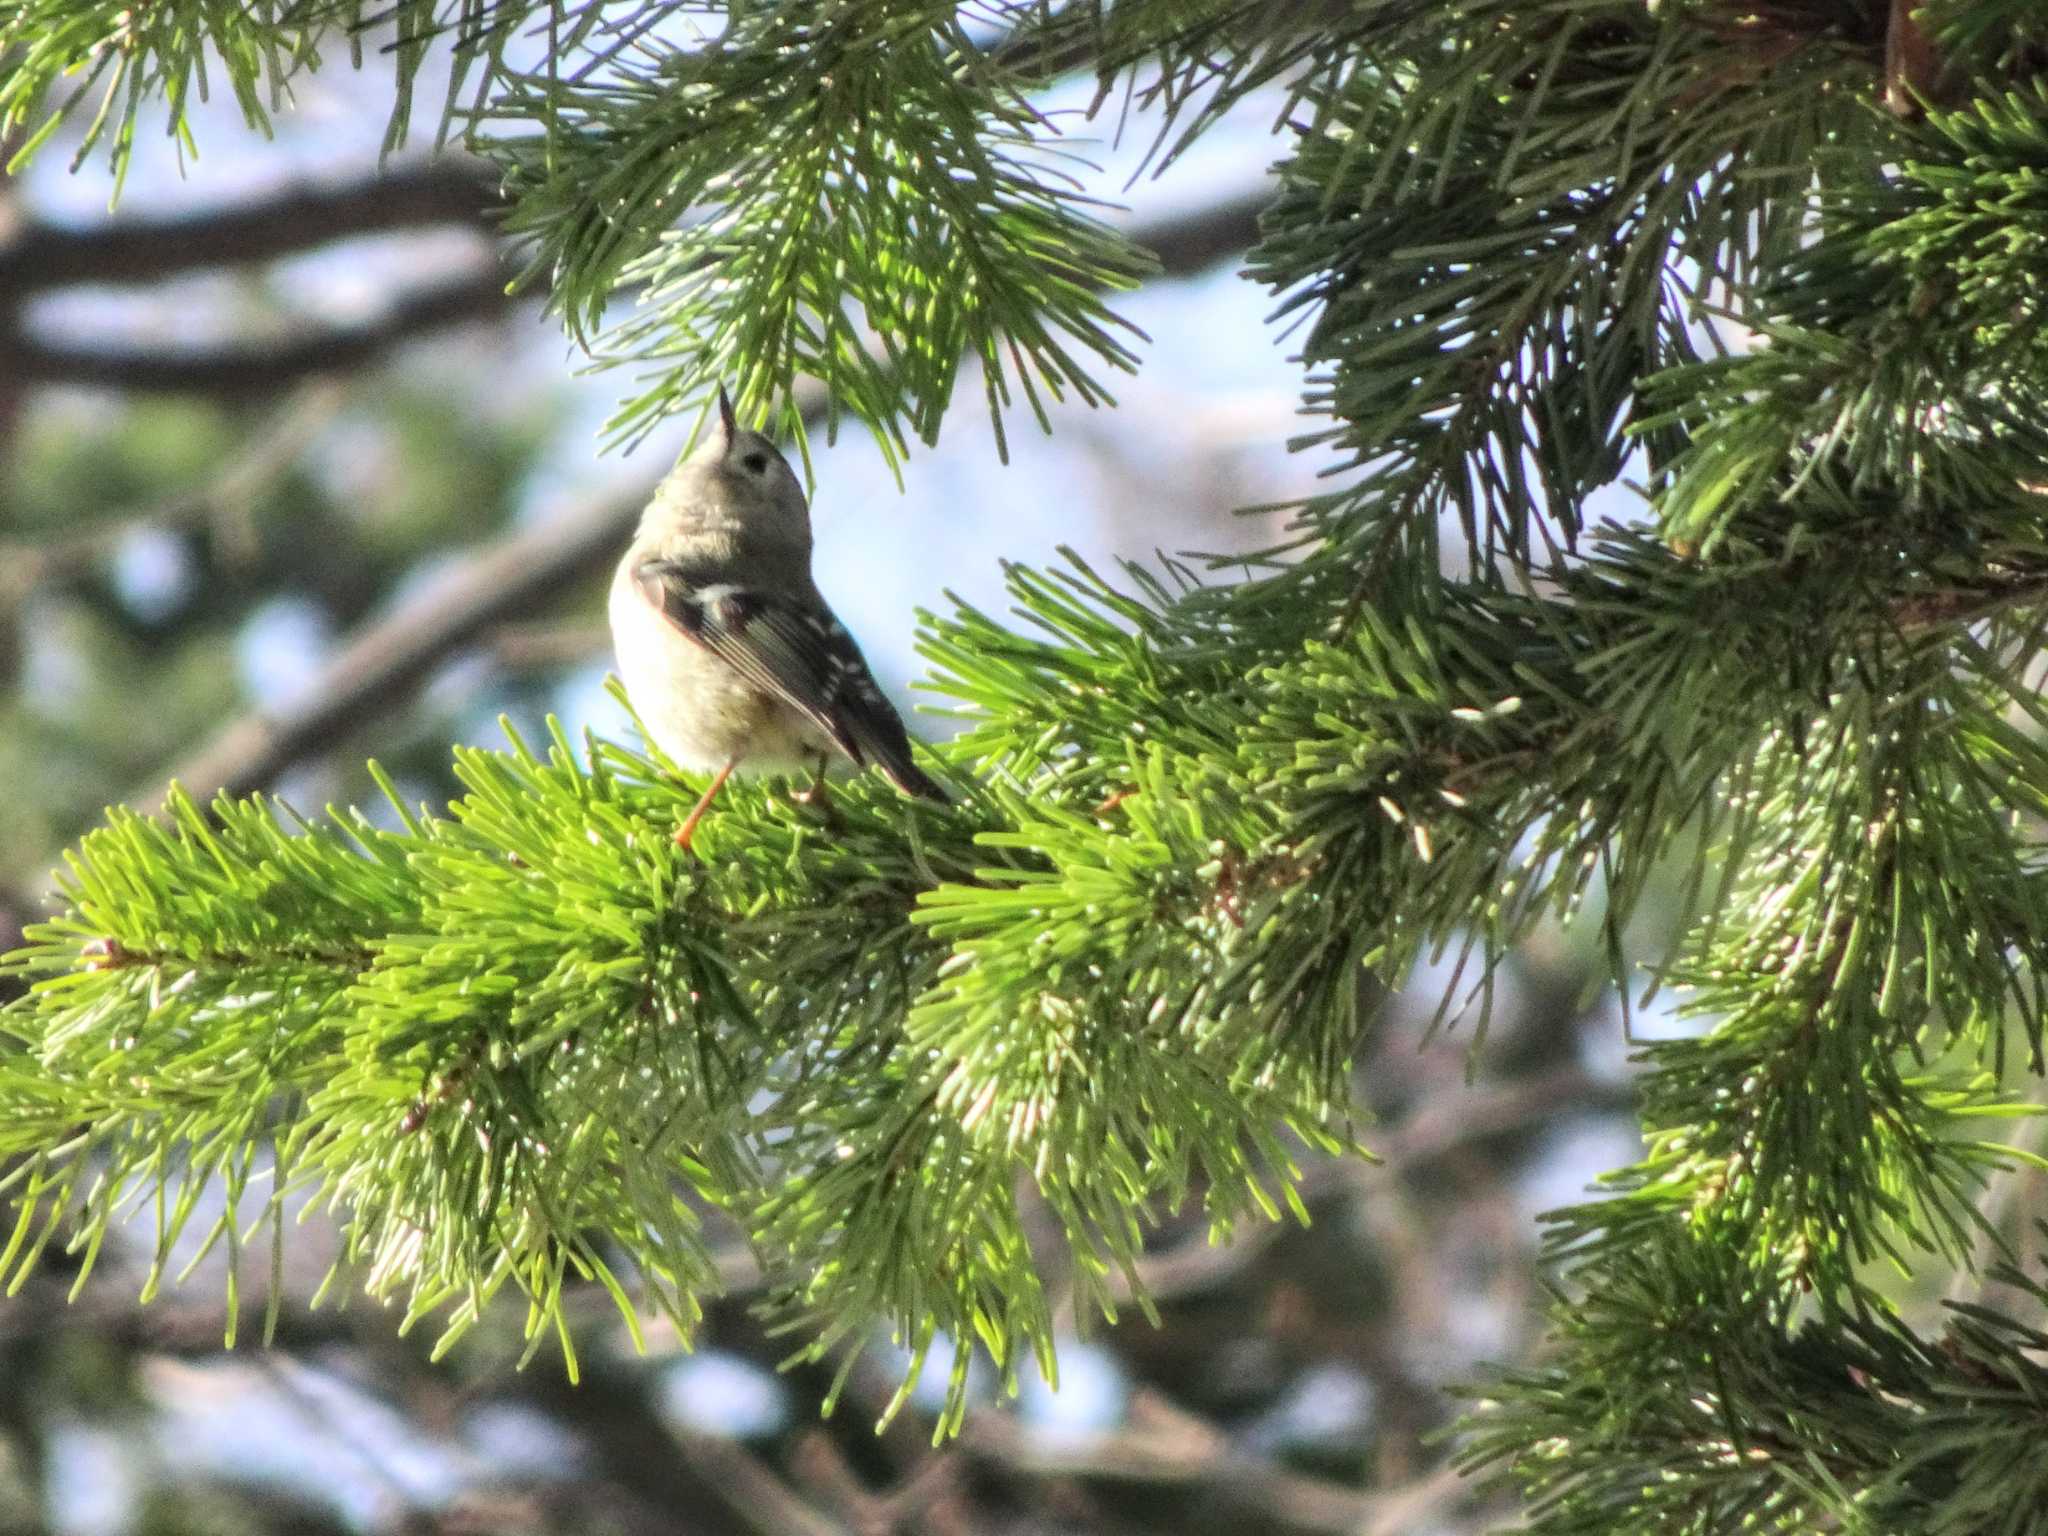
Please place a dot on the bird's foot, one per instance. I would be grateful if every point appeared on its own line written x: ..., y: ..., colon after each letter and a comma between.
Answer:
x: 817, y: 798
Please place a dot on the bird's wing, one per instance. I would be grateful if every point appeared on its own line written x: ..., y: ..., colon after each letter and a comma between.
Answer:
x: 793, y: 651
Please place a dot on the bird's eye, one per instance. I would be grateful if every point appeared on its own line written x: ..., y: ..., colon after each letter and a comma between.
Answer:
x: 757, y: 462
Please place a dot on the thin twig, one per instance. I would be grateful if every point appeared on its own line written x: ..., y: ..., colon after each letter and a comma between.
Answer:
x: 1167, y: 1447
x: 268, y: 452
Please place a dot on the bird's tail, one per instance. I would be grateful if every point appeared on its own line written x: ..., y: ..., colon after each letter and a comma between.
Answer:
x: 899, y: 770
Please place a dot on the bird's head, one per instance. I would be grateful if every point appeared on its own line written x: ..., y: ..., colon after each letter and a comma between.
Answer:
x: 738, y: 480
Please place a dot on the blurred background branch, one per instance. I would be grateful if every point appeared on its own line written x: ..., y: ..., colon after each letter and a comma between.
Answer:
x: 36, y: 255
x: 258, y: 370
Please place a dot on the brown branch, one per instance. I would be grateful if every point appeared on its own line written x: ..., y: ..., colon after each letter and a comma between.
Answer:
x: 260, y: 370
x: 541, y: 643
x: 34, y: 257
x: 1912, y: 66
x: 1993, y: 594
x: 449, y: 190
x: 703, y: 1485
x: 1191, y: 244
x: 750, y: 1488
x: 524, y: 572
x: 1165, y: 1447
x: 11, y: 216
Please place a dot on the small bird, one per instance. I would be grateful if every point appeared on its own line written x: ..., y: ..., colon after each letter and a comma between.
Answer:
x: 728, y: 652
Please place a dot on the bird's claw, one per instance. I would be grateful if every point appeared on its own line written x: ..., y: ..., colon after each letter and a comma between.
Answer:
x: 819, y: 798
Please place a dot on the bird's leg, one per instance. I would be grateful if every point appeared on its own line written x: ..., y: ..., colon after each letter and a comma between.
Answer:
x: 816, y: 794
x: 688, y: 829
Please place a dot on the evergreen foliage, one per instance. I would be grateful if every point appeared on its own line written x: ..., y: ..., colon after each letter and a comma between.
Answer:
x: 520, y: 1043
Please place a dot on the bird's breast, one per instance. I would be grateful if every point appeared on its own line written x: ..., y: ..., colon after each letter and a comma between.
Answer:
x: 693, y: 706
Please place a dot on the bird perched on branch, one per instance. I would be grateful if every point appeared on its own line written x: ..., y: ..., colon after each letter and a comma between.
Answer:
x: 728, y: 652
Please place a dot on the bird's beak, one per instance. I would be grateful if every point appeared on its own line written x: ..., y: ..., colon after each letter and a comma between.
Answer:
x: 726, y: 419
